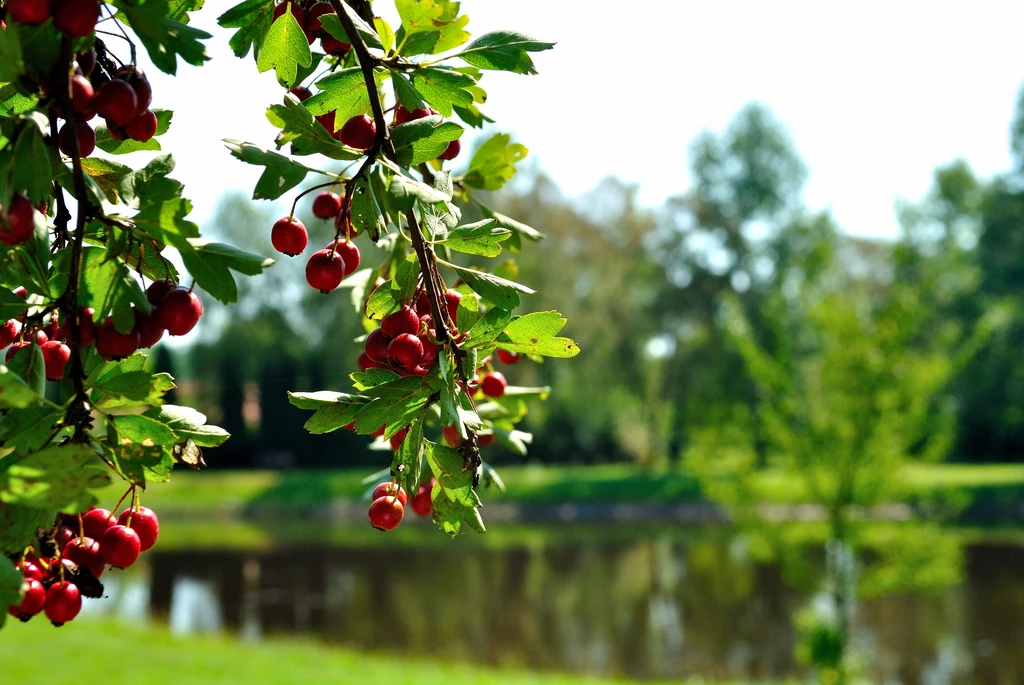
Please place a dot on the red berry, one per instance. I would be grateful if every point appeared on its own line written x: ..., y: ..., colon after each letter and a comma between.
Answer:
x: 116, y: 132
x: 296, y: 9
x: 386, y: 513
x: 53, y: 330
x: 365, y: 363
x: 149, y: 328
x: 86, y: 61
x: 358, y: 132
x: 402, y: 321
x: 406, y: 349
x: 376, y: 346
x: 451, y: 436
x: 289, y: 236
x: 136, y: 78
x: 41, y: 337
x: 86, y: 326
x: 452, y: 151
x: 116, y: 100
x: 507, y: 357
x: 55, y: 357
x: 494, y: 384
x: 63, y: 602
x: 86, y: 553
x: 31, y: 571
x: 96, y: 522
x: 301, y: 92
x: 333, y: 46
x: 349, y: 254
x: 32, y: 602
x: 81, y: 94
x: 145, y: 523
x: 86, y: 139
x: 389, y: 489
x: 76, y: 17
x: 8, y: 332
x: 29, y: 12
x: 120, y: 546
x: 452, y: 298
x: 319, y: 9
x: 324, y: 270
x: 65, y: 535
x: 179, y: 311
x: 327, y: 121
x: 422, y: 504
x: 113, y: 344
x: 157, y: 289
x: 402, y: 115
x: 423, y: 304
x: 17, y: 223
x: 485, y: 439
x: 142, y: 127
x: 430, y: 352
x: 15, y: 349
x: 327, y: 205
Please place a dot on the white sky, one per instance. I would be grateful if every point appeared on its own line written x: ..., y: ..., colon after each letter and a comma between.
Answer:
x: 874, y: 96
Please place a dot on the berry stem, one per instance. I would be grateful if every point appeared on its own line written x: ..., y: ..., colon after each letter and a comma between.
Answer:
x: 309, y: 190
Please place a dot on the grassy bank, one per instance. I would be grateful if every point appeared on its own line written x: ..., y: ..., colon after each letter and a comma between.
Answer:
x: 106, y: 652
x: 606, y: 484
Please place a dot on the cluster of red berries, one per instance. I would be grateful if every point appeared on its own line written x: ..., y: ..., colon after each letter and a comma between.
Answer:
x: 308, y: 14
x: 388, y: 501
x: 326, y: 268
x: 175, y: 310
x: 68, y: 566
x: 406, y: 341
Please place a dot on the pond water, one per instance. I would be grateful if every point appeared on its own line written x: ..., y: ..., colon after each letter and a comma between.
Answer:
x: 646, y: 606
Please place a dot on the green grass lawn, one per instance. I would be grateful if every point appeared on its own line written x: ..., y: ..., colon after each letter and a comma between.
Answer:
x: 229, y: 491
x: 88, y: 651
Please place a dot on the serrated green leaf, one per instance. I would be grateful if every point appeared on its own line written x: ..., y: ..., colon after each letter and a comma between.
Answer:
x: 189, y: 424
x: 252, y: 18
x: 31, y: 171
x: 28, y: 364
x: 493, y: 164
x: 280, y: 175
x: 11, y: 580
x: 164, y: 37
x: 455, y: 481
x: 443, y: 88
x: 108, y: 143
x: 305, y: 134
x: 405, y: 466
x: 344, y: 93
x: 480, y: 238
x: 382, y: 302
x: 386, y: 33
x: 488, y: 327
x: 57, y: 478
x: 11, y: 64
x: 498, y: 291
x: 18, y: 526
x: 535, y: 334
x: 30, y: 428
x: 504, y: 51
x: 332, y: 24
x: 284, y: 49
x: 423, y: 139
x: 108, y: 175
x: 144, y: 430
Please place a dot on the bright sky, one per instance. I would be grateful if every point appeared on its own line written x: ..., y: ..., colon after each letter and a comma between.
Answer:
x: 874, y: 96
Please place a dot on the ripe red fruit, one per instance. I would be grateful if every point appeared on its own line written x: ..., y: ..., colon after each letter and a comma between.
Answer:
x: 17, y: 223
x: 301, y: 92
x: 402, y: 115
x: 289, y: 236
x: 53, y: 330
x: 136, y: 78
x: 63, y: 602
x: 507, y: 357
x: 96, y: 522
x: 327, y: 205
x: 31, y: 571
x: 327, y: 121
x: 179, y: 311
x: 406, y: 349
x: 324, y: 270
x: 358, y: 132
x: 120, y: 546
x: 8, y: 332
x: 86, y: 326
x: 29, y: 12
x: 116, y: 100
x: 65, y: 535
x: 365, y: 363
x: 485, y: 439
x: 149, y: 328
x: 145, y: 523
x: 389, y: 489
x: 142, y: 127
x: 452, y: 298
x: 423, y: 304
x: 452, y: 151
x: 116, y: 132
x: 55, y: 357
x: 319, y: 9
x: 76, y: 17
x: 86, y: 61
x: 86, y: 138
x: 430, y: 352
x: 113, y: 344
x: 81, y: 94
x: 86, y: 553
x: 32, y: 602
x: 376, y: 346
x: 422, y: 504
x: 333, y: 46
x: 15, y: 349
x: 296, y: 9
x: 157, y: 289
x: 451, y: 436
x: 494, y: 384
x: 402, y: 321
x: 349, y: 254
x: 386, y: 513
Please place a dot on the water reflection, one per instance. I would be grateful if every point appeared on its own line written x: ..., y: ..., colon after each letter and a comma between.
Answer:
x: 658, y: 608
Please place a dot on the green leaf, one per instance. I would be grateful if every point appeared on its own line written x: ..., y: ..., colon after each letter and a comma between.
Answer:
x: 334, y: 410
x: 11, y: 64
x: 344, y: 93
x: 108, y: 143
x: 481, y: 238
x: 423, y: 139
x: 382, y: 302
x: 519, y: 229
x: 449, y: 515
x: 452, y: 35
x: 284, y: 49
x: 28, y: 363
x: 164, y: 37
x: 406, y: 92
x: 187, y: 423
x: 108, y: 175
x: 443, y: 88
x: 386, y: 33
x: 419, y: 15
x: 305, y: 134
x: 504, y: 51
x: 141, y: 463
x: 211, y: 263
x: 405, y: 466
x: 406, y: 279
x: 31, y: 171
x: 281, y: 173
x: 498, y: 291
x: 332, y: 24
x: 488, y: 327
x: 493, y: 164
x: 11, y: 305
x: 316, y: 400
x: 394, y: 404
x: 535, y: 334
x: 252, y: 18
x: 404, y: 191
x: 144, y: 430
x: 31, y: 428
x: 423, y: 43
x: 14, y: 391
x: 10, y: 580
x: 454, y: 479
x: 366, y: 213
x: 131, y: 388
x: 18, y: 526
x: 57, y: 478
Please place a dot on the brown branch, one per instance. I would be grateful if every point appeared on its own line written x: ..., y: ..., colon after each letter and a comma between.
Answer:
x: 363, y: 9
x: 62, y: 217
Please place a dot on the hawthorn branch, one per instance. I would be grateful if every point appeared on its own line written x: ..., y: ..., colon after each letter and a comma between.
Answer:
x: 62, y: 216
